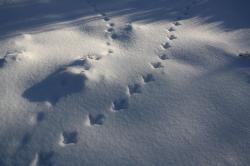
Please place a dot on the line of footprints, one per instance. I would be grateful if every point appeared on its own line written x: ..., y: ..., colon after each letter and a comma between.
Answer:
x: 71, y: 137
x: 68, y: 138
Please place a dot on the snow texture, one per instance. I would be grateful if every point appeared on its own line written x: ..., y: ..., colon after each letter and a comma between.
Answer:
x: 124, y: 82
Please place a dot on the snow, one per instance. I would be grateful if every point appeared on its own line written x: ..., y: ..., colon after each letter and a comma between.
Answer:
x: 128, y: 82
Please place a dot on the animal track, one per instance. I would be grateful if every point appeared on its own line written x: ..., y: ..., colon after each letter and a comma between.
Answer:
x: 122, y: 34
x: 69, y: 138
x: 114, y: 36
x: 120, y: 104
x: 177, y: 23
x: 156, y: 65
x: 166, y: 45
x: 2, y: 62
x: 106, y: 18
x: 110, y: 51
x: 163, y: 57
x: 171, y: 29
x: 94, y: 57
x: 111, y: 24
x: 172, y: 37
x: 97, y: 119
x: 135, y: 88
x: 128, y: 28
x: 110, y: 30
x: 148, y: 78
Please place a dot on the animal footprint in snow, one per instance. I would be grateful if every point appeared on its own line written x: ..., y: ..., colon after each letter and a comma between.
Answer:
x: 69, y: 138
x: 156, y: 65
x: 106, y: 18
x: 2, y: 62
x: 97, y: 119
x: 172, y: 37
x: 114, y: 36
x: 120, y: 104
x: 111, y: 24
x: 110, y: 51
x: 163, y: 57
x: 128, y: 28
x: 177, y: 23
x: 148, y: 78
x: 171, y: 29
x: 135, y: 88
x: 110, y: 30
x: 166, y: 45
x: 122, y: 34
x: 94, y: 57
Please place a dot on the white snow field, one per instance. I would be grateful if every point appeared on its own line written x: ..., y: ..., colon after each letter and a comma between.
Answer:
x: 124, y: 83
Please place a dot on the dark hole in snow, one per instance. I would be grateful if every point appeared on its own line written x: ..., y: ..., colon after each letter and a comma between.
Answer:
x: 135, y: 88
x: 2, y: 62
x: 96, y: 120
x: 121, y: 104
x: 148, y: 78
x: 70, y: 137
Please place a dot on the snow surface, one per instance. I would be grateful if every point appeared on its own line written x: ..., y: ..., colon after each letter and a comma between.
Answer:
x: 124, y: 82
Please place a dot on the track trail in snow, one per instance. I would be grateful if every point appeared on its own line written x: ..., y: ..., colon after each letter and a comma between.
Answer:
x: 70, y: 138
x: 136, y: 88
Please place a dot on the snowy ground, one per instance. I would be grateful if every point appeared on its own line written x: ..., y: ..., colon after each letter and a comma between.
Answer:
x: 124, y: 82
